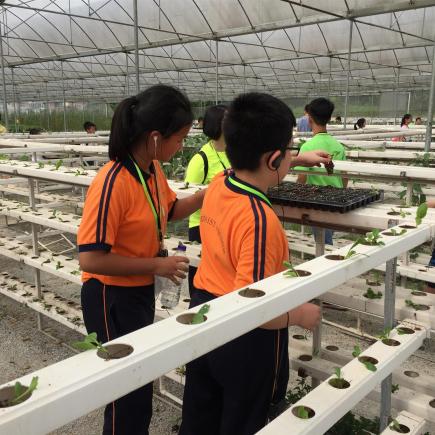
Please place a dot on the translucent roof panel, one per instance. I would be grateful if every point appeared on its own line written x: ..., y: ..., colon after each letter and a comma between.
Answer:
x: 282, y: 46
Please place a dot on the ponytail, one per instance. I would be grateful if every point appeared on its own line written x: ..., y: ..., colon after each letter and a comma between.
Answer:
x: 160, y: 107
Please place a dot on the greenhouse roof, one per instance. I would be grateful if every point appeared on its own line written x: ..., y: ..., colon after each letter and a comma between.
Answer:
x: 287, y: 48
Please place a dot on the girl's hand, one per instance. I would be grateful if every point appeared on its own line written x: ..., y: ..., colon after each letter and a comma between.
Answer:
x: 172, y: 267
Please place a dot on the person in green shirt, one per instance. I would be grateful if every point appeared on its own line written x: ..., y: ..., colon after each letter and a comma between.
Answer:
x: 319, y: 114
x: 209, y: 161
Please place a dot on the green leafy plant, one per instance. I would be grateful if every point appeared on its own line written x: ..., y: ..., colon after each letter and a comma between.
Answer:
x: 371, y: 238
x: 394, y: 232
x: 356, y: 351
x: 421, y: 213
x: 199, y: 317
x: 75, y: 272
x: 90, y: 342
x: 396, y: 426
x: 58, y: 164
x: 291, y: 272
x: 20, y: 391
x: 385, y: 335
x: 394, y: 388
x: 302, y: 412
x: 369, y: 365
x: 370, y: 294
x: 301, y: 390
x: 58, y: 265
x: 409, y: 303
x: 417, y: 196
x: 186, y: 186
x: 40, y: 165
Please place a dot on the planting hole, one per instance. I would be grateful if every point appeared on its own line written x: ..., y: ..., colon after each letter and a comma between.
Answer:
x: 422, y: 270
x: 299, y: 337
x: 418, y: 293
x: 411, y: 374
x: 422, y: 307
x: 393, y: 213
x: 186, y: 319
x: 390, y: 342
x: 332, y: 348
x: 401, y: 429
x: 432, y: 403
x: 368, y: 359
x: 251, y: 293
x: 408, y: 227
x: 373, y: 283
x: 7, y: 395
x: 115, y: 351
x: 389, y: 233
x: 187, y: 300
x: 303, y: 272
x: 305, y: 357
x: 341, y: 384
x: 297, y: 410
x: 406, y: 330
x: 334, y: 257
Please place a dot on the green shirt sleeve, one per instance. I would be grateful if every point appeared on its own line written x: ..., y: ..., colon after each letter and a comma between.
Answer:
x: 305, y: 147
x: 195, y: 170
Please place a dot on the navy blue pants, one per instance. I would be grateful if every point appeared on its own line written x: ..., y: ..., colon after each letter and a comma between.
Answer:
x: 194, y: 236
x: 229, y: 391
x: 111, y: 312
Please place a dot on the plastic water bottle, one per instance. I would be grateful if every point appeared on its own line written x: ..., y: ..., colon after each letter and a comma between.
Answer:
x: 170, y: 295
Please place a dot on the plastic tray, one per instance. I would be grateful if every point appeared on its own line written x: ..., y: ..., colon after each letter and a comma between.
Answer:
x: 327, y: 198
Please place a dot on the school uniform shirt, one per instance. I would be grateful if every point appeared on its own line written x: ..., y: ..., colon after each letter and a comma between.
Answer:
x: 324, y: 142
x: 117, y: 217
x: 217, y: 162
x: 242, y: 238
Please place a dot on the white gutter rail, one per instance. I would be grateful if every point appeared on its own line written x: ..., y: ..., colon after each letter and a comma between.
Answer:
x: 78, y: 385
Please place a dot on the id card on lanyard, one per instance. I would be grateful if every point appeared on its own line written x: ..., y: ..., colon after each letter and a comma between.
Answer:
x: 158, y: 213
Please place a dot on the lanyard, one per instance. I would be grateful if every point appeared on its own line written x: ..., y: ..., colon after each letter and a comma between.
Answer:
x: 156, y: 214
x: 217, y: 155
x: 250, y: 190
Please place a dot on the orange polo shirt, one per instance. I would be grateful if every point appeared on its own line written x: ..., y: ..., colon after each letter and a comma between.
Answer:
x: 117, y: 216
x: 242, y: 238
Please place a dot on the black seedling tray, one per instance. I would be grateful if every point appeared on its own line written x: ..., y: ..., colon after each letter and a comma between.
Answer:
x: 321, y: 197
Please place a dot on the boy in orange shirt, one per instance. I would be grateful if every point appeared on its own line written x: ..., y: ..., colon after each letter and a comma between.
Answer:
x: 229, y: 390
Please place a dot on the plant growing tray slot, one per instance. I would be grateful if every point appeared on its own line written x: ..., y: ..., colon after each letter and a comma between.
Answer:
x: 321, y: 197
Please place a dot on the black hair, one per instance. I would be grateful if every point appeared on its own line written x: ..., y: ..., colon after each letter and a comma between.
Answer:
x: 418, y: 117
x: 254, y: 125
x: 405, y: 117
x: 88, y: 124
x: 359, y: 124
x: 35, y: 131
x: 306, y: 108
x: 338, y: 118
x: 213, y: 118
x: 321, y: 110
x: 160, y: 107
x: 200, y: 118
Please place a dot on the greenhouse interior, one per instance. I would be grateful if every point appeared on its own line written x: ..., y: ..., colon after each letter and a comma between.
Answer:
x: 217, y: 217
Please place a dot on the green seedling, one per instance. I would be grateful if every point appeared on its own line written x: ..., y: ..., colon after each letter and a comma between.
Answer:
x: 46, y: 261
x: 20, y: 392
x: 403, y: 213
x: 58, y: 265
x: 421, y: 213
x: 291, y: 272
x: 186, y: 186
x: 370, y: 294
x: 371, y: 238
x: 337, y: 373
x: 90, y: 342
x: 369, y: 366
x: 302, y: 412
x: 199, y: 317
x: 40, y: 165
x: 75, y: 272
x: 385, y: 335
x: 58, y: 164
x: 394, y: 388
x: 394, y: 232
x: 395, y: 425
x: 356, y: 351
x: 412, y: 304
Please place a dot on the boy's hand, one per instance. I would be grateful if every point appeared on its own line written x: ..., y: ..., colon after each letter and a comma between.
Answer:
x: 309, y: 316
x: 312, y: 158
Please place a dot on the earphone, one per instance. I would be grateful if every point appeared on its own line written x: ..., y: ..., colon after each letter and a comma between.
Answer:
x: 155, y: 147
x: 277, y: 162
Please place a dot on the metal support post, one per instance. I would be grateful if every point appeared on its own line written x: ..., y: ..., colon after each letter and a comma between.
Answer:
x: 14, y: 100
x: 389, y: 312
x: 346, y: 102
x: 430, y: 108
x: 136, y: 45
x: 2, y: 61
x: 317, y: 333
x: 36, y: 272
x: 63, y: 98
x: 47, y: 104
x: 217, y: 72
x: 408, y: 199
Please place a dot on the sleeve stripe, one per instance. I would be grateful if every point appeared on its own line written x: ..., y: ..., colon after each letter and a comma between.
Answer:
x: 263, y: 238
x: 106, y: 208
x: 95, y: 247
x: 103, y: 194
x: 256, y: 240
